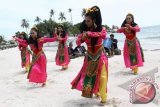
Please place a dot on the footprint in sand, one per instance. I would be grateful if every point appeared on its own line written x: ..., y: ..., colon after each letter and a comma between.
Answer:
x: 51, y: 81
x: 16, y: 81
x: 114, y: 102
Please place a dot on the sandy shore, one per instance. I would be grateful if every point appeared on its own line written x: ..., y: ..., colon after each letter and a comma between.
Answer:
x: 15, y: 91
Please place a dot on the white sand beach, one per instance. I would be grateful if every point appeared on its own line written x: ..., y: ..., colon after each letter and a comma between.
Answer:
x: 15, y: 91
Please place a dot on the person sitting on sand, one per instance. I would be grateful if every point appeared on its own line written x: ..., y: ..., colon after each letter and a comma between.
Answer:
x: 71, y: 50
x: 79, y: 50
x: 107, y: 42
x: 114, y: 47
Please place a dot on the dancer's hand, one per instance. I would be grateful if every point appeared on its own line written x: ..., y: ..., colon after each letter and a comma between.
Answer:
x: 14, y: 38
x: 55, y: 30
x: 115, y: 27
x: 128, y: 26
x: 60, y: 33
x: 58, y: 39
x: 85, y: 36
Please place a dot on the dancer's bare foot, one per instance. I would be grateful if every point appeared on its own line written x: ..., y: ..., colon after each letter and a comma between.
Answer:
x: 26, y: 71
x: 64, y: 67
x: 102, y: 103
x: 44, y: 84
x: 97, y: 96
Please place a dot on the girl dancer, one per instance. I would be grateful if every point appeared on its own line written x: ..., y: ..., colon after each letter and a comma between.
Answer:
x: 93, y: 77
x: 62, y: 57
x: 133, y: 54
x: 37, y: 72
x: 25, y: 52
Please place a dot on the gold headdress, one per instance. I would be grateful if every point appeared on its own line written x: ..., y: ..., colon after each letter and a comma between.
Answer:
x: 129, y: 14
x: 90, y: 10
x: 34, y: 27
x: 22, y: 33
x: 60, y: 24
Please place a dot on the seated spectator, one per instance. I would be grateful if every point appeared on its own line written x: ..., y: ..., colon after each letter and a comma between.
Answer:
x: 79, y: 51
x: 71, y: 50
x: 114, y: 46
x: 107, y: 42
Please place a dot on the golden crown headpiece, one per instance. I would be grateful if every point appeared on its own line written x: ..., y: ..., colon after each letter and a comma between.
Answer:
x: 35, y: 27
x: 23, y: 34
x: 129, y: 14
x: 90, y: 10
x: 60, y: 24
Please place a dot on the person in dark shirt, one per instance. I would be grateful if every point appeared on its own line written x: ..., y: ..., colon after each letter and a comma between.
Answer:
x: 71, y: 50
x: 79, y: 51
x: 114, y: 41
x: 114, y: 46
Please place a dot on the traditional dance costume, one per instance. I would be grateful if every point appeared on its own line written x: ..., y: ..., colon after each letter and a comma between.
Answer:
x: 133, y: 53
x: 37, y: 72
x: 62, y: 56
x: 93, y: 77
x: 25, y: 54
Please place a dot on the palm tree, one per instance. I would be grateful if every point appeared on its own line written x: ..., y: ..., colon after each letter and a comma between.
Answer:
x: 25, y: 24
x: 70, y: 11
x: 52, y: 12
x: 83, y: 12
x: 37, y: 19
x: 62, y: 16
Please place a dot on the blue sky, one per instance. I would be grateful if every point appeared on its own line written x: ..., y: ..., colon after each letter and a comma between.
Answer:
x: 113, y: 12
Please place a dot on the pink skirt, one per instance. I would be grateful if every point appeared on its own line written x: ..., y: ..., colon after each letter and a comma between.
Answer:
x: 77, y: 83
x: 38, y: 72
x: 138, y: 54
x: 65, y: 54
x: 27, y: 59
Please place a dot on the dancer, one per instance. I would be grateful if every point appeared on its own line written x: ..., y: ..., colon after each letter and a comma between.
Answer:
x: 93, y: 77
x: 25, y: 52
x: 37, y: 72
x: 133, y: 53
x: 62, y: 56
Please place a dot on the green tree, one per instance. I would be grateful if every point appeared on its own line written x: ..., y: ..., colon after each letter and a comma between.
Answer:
x: 67, y: 25
x: 70, y: 11
x: 25, y: 24
x: 52, y: 12
x: 37, y: 19
x: 83, y: 12
x: 107, y: 27
x: 62, y: 16
x: 74, y: 30
x: 46, y: 27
